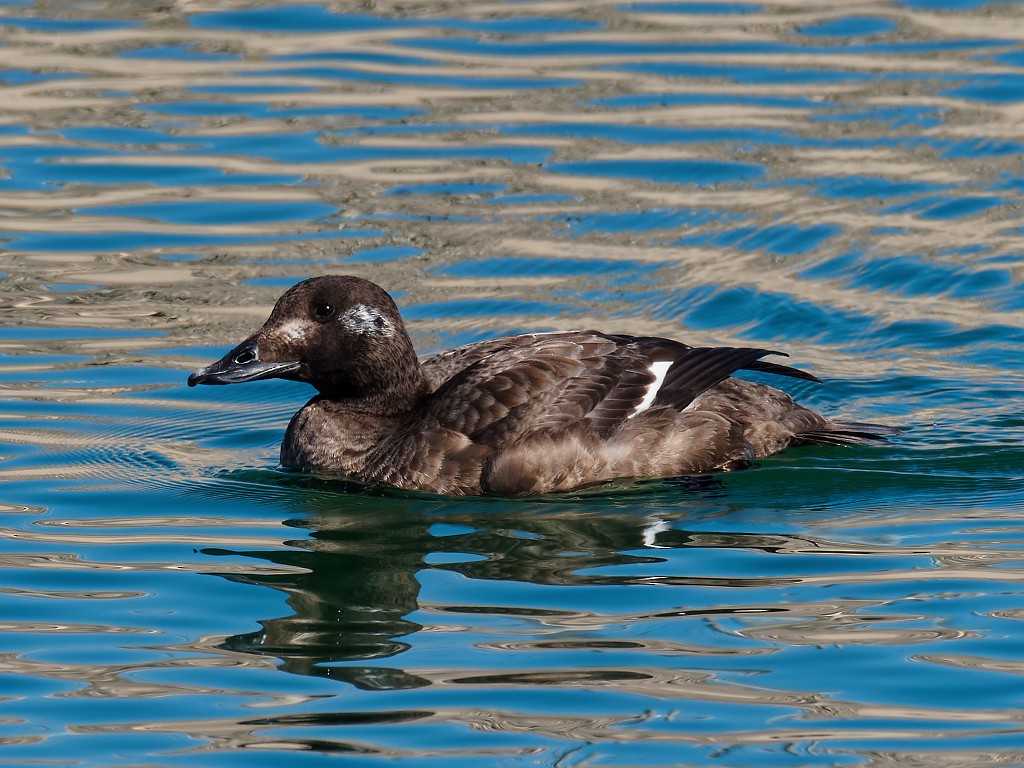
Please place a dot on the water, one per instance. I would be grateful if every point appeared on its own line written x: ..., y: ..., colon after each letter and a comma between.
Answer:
x: 840, y: 182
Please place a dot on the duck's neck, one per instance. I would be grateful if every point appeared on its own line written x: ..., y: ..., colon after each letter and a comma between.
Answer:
x: 387, y: 382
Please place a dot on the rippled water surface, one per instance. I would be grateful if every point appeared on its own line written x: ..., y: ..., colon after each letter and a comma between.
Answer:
x: 840, y: 181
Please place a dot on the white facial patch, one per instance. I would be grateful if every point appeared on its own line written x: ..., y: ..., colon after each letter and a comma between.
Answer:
x: 366, y: 320
x: 294, y: 330
x: 659, y: 369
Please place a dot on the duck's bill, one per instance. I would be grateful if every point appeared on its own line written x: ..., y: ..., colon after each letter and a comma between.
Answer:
x: 242, y: 364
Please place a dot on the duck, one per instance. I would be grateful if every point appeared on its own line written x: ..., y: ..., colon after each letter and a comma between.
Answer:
x: 521, y: 415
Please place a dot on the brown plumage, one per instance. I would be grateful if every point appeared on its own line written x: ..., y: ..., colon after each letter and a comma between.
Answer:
x: 519, y: 415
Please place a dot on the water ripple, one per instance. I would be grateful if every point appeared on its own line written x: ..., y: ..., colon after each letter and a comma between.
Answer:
x: 842, y: 184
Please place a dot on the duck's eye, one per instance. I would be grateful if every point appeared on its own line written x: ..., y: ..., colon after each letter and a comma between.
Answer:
x: 324, y: 310
x: 244, y: 358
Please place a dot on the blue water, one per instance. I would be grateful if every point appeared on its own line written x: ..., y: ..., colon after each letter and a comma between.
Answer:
x: 841, y: 183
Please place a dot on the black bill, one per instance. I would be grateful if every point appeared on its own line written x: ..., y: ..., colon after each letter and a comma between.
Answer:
x: 242, y: 364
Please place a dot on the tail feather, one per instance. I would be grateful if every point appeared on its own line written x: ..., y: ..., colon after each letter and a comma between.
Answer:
x: 846, y: 433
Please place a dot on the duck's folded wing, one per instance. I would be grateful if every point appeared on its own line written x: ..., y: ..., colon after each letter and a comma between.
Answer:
x: 557, y: 381
x: 497, y: 353
x: 763, y: 366
x: 521, y: 385
x: 781, y: 370
x: 698, y: 369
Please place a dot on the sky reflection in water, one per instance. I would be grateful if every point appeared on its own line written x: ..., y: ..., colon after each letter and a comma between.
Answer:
x: 841, y: 184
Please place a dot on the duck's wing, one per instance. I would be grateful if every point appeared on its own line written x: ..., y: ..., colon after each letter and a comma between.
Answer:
x: 698, y: 369
x: 519, y: 384
x: 444, y: 366
x: 758, y: 365
x: 548, y: 382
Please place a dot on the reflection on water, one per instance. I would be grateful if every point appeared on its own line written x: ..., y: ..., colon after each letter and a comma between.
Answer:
x: 842, y: 184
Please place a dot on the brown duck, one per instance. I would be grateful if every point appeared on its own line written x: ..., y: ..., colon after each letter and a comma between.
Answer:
x: 514, y: 416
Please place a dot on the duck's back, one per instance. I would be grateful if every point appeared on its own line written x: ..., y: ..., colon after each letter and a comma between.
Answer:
x: 559, y: 410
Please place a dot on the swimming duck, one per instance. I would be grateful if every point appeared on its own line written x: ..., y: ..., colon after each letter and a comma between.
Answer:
x: 514, y: 416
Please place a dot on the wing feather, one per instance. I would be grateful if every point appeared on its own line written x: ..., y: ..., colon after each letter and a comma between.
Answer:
x: 495, y: 391
x: 512, y: 388
x: 700, y: 368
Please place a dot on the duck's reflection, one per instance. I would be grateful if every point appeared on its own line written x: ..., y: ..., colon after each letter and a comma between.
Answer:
x: 353, y: 583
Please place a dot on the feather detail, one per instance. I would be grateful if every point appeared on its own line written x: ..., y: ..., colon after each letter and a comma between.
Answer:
x: 517, y: 415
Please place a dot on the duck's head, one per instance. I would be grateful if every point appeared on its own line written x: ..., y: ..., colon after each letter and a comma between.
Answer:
x: 341, y: 334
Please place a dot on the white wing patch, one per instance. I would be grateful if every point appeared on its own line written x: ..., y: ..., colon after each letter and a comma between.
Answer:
x: 367, y: 320
x: 651, y: 531
x: 659, y: 369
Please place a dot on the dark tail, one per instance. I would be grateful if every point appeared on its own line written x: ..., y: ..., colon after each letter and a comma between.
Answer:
x: 846, y: 433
